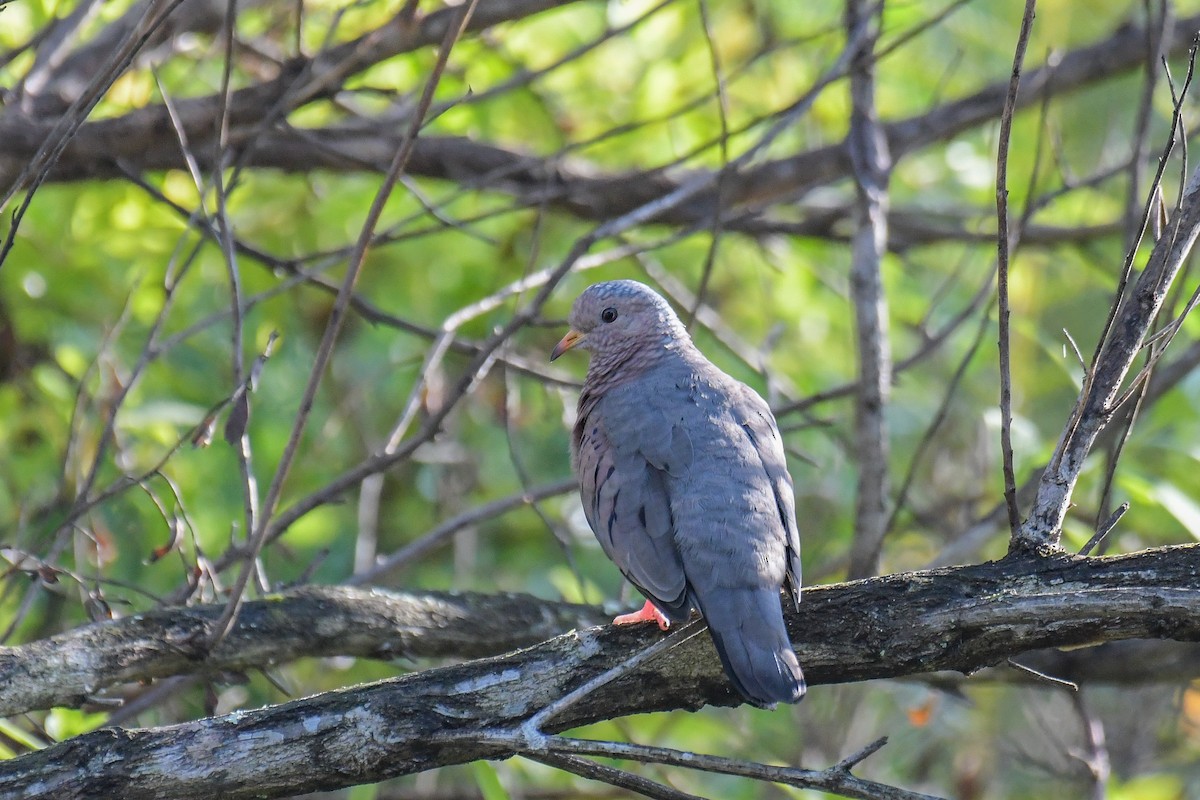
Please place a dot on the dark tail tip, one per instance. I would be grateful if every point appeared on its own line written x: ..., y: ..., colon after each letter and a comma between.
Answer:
x: 769, y: 679
x: 755, y: 651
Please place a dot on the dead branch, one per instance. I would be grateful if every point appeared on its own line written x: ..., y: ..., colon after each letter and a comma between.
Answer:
x: 957, y: 619
x: 1096, y: 404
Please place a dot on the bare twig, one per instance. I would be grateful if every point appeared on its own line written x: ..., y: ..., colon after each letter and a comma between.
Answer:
x: 723, y: 144
x: 1131, y: 321
x: 1103, y: 530
x: 443, y: 532
x: 939, y: 417
x: 1155, y: 36
x: 1003, y: 242
x: 835, y: 779
x: 1042, y: 676
x: 333, y: 327
x: 237, y: 429
x: 532, y: 730
x: 611, y: 776
x: 1094, y: 755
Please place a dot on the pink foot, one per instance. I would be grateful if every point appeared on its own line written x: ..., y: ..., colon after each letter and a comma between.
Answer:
x: 648, y: 613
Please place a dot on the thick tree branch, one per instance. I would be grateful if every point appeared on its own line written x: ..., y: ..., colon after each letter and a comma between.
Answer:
x: 959, y: 619
x: 300, y: 81
x: 313, y: 621
x: 143, y: 140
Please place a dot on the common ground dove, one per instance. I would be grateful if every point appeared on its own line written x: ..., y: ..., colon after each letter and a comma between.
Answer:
x: 684, y: 482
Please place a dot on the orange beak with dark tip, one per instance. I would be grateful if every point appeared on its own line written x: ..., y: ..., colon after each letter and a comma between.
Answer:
x: 572, y: 338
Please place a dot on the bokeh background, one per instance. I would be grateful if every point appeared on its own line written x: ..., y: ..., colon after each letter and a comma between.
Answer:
x: 117, y: 339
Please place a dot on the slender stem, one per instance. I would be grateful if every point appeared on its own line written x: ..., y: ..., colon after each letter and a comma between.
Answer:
x: 1003, y: 243
x: 333, y: 327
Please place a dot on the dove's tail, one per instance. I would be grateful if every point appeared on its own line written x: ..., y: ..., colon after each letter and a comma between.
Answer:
x: 748, y: 629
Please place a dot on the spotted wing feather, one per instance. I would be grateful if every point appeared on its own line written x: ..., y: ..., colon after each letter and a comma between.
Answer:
x: 626, y: 503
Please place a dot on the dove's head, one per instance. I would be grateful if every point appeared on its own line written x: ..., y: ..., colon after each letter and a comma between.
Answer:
x: 617, y: 320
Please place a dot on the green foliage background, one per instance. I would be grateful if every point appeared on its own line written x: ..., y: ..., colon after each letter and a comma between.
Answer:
x: 84, y: 286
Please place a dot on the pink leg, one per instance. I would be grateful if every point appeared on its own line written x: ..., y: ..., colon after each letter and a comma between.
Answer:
x: 648, y: 614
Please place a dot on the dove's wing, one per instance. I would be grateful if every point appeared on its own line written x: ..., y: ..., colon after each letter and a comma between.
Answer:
x: 762, y: 434
x: 626, y: 501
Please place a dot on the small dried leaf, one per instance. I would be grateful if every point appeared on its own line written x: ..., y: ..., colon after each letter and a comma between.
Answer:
x: 47, y: 573
x: 98, y: 608
x: 204, y: 432
x: 1160, y: 218
x: 239, y: 418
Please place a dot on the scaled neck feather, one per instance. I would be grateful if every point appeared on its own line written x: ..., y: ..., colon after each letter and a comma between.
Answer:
x: 612, y: 368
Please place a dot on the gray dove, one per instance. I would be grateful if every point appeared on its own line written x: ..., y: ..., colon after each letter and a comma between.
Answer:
x: 684, y: 482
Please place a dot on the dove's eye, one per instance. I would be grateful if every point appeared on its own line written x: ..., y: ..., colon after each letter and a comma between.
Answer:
x: 609, y: 314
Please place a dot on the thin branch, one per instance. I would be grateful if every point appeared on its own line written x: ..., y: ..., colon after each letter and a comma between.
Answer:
x: 1095, y: 756
x: 722, y: 98
x: 237, y: 429
x: 611, y: 776
x: 1132, y: 320
x: 1003, y: 242
x: 1103, y: 530
x: 836, y: 779
x: 445, y: 531
x: 336, y: 317
x: 1156, y: 37
x: 1042, y: 676
x: 532, y: 730
x: 943, y: 410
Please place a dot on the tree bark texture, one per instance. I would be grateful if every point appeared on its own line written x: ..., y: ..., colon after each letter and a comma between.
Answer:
x: 960, y: 619
x: 312, y: 621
